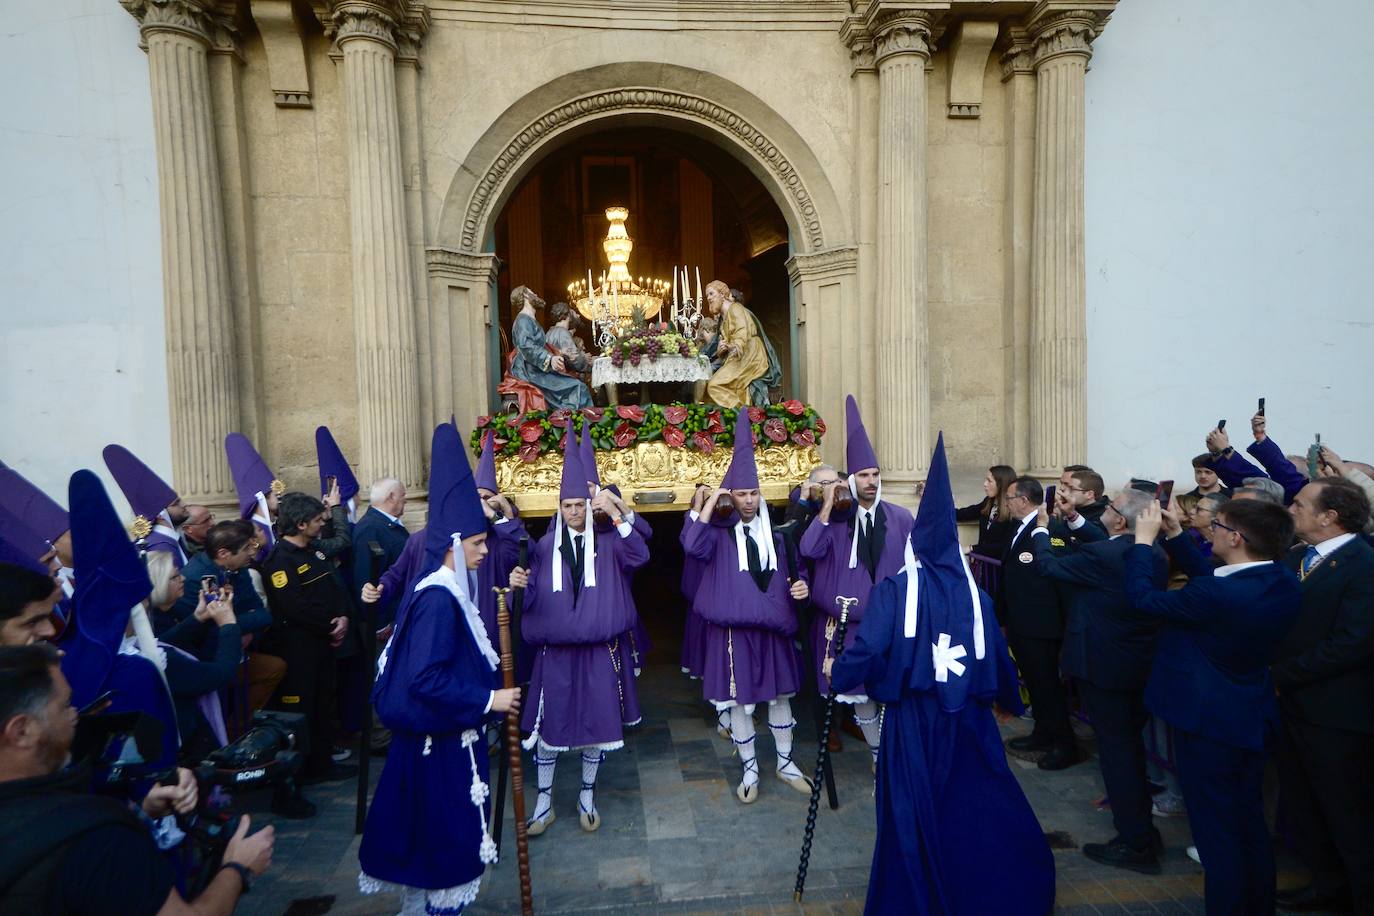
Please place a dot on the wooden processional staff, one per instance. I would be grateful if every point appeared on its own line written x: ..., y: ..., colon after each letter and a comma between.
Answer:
x: 517, y: 777
x: 823, y: 755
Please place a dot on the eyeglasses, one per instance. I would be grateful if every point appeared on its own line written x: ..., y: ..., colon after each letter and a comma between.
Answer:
x: 1113, y: 507
x: 1073, y: 489
x: 1216, y: 524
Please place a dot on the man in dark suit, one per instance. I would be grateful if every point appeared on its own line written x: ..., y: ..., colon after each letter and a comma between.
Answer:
x: 381, y: 523
x: 1029, y: 608
x: 1325, y: 678
x: 1107, y: 650
x: 1210, y: 681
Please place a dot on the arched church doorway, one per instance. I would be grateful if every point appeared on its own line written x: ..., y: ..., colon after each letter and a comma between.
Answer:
x: 690, y: 202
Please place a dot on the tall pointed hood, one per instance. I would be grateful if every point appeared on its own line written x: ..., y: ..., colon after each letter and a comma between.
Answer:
x: 743, y: 473
x: 148, y: 494
x: 589, y: 455
x: 858, y: 451
x: 943, y: 602
x: 35, y: 509
x: 23, y: 541
x: 574, y: 483
x: 455, y: 510
x: 253, y: 479
x: 110, y: 579
x: 16, y: 555
x: 334, y: 464
x: 486, y: 464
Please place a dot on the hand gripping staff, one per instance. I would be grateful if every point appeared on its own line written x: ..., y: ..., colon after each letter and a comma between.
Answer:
x: 822, y: 755
x: 517, y: 776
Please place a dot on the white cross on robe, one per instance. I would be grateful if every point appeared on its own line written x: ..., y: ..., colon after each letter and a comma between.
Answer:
x: 946, y: 658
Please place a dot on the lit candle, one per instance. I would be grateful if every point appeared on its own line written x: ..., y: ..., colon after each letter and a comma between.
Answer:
x: 698, y: 270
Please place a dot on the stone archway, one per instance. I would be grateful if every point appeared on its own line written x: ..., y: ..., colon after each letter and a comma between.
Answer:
x: 462, y: 271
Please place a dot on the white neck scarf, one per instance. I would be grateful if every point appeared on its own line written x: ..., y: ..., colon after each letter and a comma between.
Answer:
x: 461, y: 588
x: 854, y: 541
x: 588, y: 552
x: 763, y: 532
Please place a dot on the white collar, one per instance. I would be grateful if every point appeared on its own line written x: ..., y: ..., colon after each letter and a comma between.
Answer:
x: 1237, y: 567
x: 460, y: 588
x: 877, y: 500
x: 588, y: 551
x: 1329, y: 546
x: 762, y: 531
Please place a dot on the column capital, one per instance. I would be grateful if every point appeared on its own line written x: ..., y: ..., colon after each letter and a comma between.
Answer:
x: 901, y: 32
x: 1018, y: 56
x: 401, y: 24
x: 1059, y: 28
x: 856, y: 37
x: 192, y: 18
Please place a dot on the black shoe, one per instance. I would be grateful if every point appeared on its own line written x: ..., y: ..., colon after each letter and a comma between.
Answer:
x: 1156, y: 840
x: 337, y: 773
x: 1031, y: 742
x: 292, y: 805
x: 1121, y: 855
x: 1308, y: 899
x: 1061, y: 758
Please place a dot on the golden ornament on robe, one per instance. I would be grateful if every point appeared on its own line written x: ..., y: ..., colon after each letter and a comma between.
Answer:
x: 141, y: 528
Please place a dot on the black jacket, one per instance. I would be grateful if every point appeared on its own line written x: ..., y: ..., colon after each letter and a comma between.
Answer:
x: 391, y: 537
x: 994, y: 534
x: 1106, y: 641
x: 1325, y: 668
x: 1028, y: 603
x: 304, y: 590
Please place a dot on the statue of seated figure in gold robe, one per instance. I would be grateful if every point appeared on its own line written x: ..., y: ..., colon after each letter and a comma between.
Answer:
x: 748, y: 365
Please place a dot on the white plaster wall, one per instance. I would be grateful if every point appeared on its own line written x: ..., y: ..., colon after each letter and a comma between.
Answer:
x: 80, y: 271
x: 1229, y: 235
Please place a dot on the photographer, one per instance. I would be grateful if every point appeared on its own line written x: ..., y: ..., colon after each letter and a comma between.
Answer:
x: 66, y: 851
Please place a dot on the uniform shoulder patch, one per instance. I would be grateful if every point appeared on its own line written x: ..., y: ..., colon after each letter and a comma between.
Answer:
x: 303, y: 568
x: 1027, y: 557
x: 279, y: 579
x: 1056, y: 542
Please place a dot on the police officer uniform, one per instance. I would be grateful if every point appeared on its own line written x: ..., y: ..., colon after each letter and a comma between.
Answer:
x: 305, y: 595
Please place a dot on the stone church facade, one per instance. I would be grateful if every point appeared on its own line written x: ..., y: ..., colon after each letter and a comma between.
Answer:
x: 331, y: 174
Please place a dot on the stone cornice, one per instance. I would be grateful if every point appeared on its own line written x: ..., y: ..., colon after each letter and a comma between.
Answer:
x: 822, y: 265
x: 462, y: 265
x: 859, y: 41
x: 192, y: 18
x: 1061, y: 29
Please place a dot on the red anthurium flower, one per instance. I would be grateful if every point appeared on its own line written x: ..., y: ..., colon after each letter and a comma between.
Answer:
x: 675, y: 415
x: 632, y: 412
x: 704, y: 443
x: 820, y: 427
x: 804, y: 438
x: 499, y: 443
x: 794, y: 407
x: 713, y: 422
x: 756, y: 415
x: 674, y: 436
x: 625, y: 435
x: 483, y: 422
x: 531, y: 430
x: 560, y: 417
x: 529, y: 452
x: 594, y: 414
x: 775, y: 429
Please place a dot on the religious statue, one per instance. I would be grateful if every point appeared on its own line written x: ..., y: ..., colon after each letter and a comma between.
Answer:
x: 748, y: 365
x: 562, y: 339
x: 535, y: 362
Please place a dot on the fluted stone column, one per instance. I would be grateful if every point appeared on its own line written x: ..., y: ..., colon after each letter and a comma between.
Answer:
x: 902, y: 48
x: 202, y: 363
x: 1058, y: 336
x: 383, y: 298
x: 1018, y: 75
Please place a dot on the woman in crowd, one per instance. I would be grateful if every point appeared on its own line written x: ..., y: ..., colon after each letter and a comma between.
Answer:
x: 995, y: 524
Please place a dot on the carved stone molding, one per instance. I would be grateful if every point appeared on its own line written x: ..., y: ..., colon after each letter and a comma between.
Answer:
x: 1019, y: 55
x: 192, y: 18
x: 364, y: 22
x: 226, y: 38
x: 968, y: 59
x: 821, y: 265
x: 681, y: 104
x: 1069, y: 32
x: 462, y: 265
x: 859, y: 41
x: 281, y: 39
x: 895, y: 34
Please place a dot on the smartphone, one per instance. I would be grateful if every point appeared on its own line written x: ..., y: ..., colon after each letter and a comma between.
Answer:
x: 1314, y: 459
x: 1221, y: 425
x: 329, y: 483
x: 98, y: 705
x: 1164, y: 492
x: 208, y: 584
x: 1261, y: 407
x: 1049, y: 498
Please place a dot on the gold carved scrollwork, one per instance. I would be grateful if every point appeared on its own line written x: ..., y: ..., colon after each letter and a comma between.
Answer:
x: 652, y: 467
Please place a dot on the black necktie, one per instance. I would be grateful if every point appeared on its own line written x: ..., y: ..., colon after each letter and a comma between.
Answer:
x: 572, y: 556
x: 866, y: 552
x: 751, y: 548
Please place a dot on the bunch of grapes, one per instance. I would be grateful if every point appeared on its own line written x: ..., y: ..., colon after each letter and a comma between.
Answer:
x: 635, y: 354
x: 617, y: 357
x: 652, y: 348
x: 684, y: 348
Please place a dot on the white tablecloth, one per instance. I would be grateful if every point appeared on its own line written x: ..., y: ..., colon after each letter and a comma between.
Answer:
x: 664, y: 369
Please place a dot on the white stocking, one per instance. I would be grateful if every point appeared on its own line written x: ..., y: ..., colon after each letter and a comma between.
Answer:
x: 591, y: 762
x: 723, y: 722
x: 545, y: 759
x: 866, y: 714
x: 742, y: 733
x: 412, y: 901
x: 781, y: 723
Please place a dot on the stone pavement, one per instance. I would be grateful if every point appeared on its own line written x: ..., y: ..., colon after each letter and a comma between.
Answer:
x: 674, y: 839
